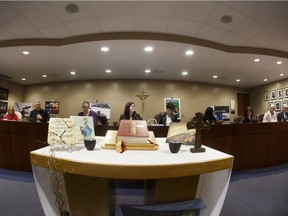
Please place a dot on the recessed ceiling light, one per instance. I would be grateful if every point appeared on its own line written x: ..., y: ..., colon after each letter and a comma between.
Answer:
x: 265, y: 80
x: 44, y: 75
x: 279, y: 62
x: 147, y: 71
x: 148, y: 49
x: 282, y: 74
x: 72, y: 72
x: 108, y: 71
x: 256, y: 60
x: 104, y: 49
x: 25, y: 52
x: 184, y: 73
x: 23, y: 79
x: 215, y: 77
x: 189, y: 52
x: 238, y: 80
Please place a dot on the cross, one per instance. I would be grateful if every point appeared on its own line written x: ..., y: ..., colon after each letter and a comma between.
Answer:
x: 142, y: 95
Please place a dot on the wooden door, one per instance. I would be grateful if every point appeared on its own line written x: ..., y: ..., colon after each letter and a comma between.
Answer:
x: 242, y: 103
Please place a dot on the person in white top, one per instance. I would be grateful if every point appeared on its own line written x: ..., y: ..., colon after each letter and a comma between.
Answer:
x: 271, y: 115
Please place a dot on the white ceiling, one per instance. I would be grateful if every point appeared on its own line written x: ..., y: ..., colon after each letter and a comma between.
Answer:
x: 255, y: 24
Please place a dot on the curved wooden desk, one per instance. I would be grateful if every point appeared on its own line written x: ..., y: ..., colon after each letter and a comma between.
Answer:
x: 90, y: 176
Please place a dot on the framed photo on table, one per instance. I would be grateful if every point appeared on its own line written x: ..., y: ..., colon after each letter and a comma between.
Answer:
x: 176, y: 102
x: 266, y: 96
x: 279, y: 93
x: 273, y: 95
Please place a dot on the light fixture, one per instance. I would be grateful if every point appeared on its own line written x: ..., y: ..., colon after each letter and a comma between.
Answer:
x: 23, y: 78
x: 184, y: 73
x: 25, y: 52
x: 147, y: 71
x: 226, y: 19
x: 279, y: 62
x: 189, y: 52
x: 281, y: 74
x: 265, y: 80
x: 256, y: 60
x: 215, y: 77
x: 104, y: 49
x: 238, y: 80
x: 72, y: 72
x: 148, y: 49
x: 44, y: 75
x: 72, y: 8
x: 108, y: 71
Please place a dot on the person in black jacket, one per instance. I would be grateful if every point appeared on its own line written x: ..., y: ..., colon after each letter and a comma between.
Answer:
x: 169, y: 116
x: 38, y: 114
x: 130, y: 112
x: 283, y: 115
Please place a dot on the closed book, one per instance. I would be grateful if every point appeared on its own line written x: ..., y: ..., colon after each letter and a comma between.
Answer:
x: 133, y: 131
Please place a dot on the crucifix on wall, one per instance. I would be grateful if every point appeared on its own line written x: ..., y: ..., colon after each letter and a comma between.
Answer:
x: 142, y: 95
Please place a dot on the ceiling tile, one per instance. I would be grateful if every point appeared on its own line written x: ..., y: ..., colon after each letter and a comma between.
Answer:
x: 112, y: 8
x: 154, y: 8
x: 151, y: 23
x: 19, y: 26
x: 83, y: 26
x: 232, y: 39
x: 222, y: 10
x: 42, y: 16
x: 23, y: 6
x: 5, y: 35
x: 211, y: 33
x: 35, y: 34
x: 56, y: 31
x: 183, y: 27
x: 85, y: 10
x: 195, y: 11
x: 115, y: 23
x: 7, y: 12
x: 248, y: 28
x: 245, y: 7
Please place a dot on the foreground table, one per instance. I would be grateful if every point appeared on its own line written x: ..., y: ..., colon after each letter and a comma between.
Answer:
x: 90, y: 177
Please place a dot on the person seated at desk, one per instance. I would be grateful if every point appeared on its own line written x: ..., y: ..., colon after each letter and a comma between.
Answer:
x: 283, y: 115
x: 130, y: 112
x: 247, y: 116
x: 209, y: 116
x: 38, y: 114
x: 167, y: 117
x: 88, y: 112
x: 10, y: 114
x: 271, y: 115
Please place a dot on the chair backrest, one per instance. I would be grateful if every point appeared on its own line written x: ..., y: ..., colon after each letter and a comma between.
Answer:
x: 157, y: 116
x: 237, y: 119
x: 260, y: 117
x: 19, y: 115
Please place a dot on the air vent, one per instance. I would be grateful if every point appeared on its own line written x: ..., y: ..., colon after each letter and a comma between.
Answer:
x: 2, y: 76
x: 72, y: 8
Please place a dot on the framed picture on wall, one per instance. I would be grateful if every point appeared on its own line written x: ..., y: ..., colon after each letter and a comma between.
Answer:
x: 273, y: 95
x: 283, y: 102
x: 266, y: 96
x: 280, y: 93
x: 277, y: 106
x: 285, y: 92
x: 269, y: 105
x: 3, y: 107
x: 4, y: 93
x: 176, y: 102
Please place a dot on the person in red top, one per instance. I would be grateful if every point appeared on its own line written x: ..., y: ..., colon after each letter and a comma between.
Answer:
x: 10, y: 115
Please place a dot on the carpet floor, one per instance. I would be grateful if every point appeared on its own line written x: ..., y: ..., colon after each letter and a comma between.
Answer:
x: 262, y: 192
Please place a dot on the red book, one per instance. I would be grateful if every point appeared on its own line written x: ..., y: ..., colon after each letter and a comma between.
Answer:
x: 133, y: 131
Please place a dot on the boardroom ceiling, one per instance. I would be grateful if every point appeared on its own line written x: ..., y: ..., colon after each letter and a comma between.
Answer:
x: 225, y: 38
